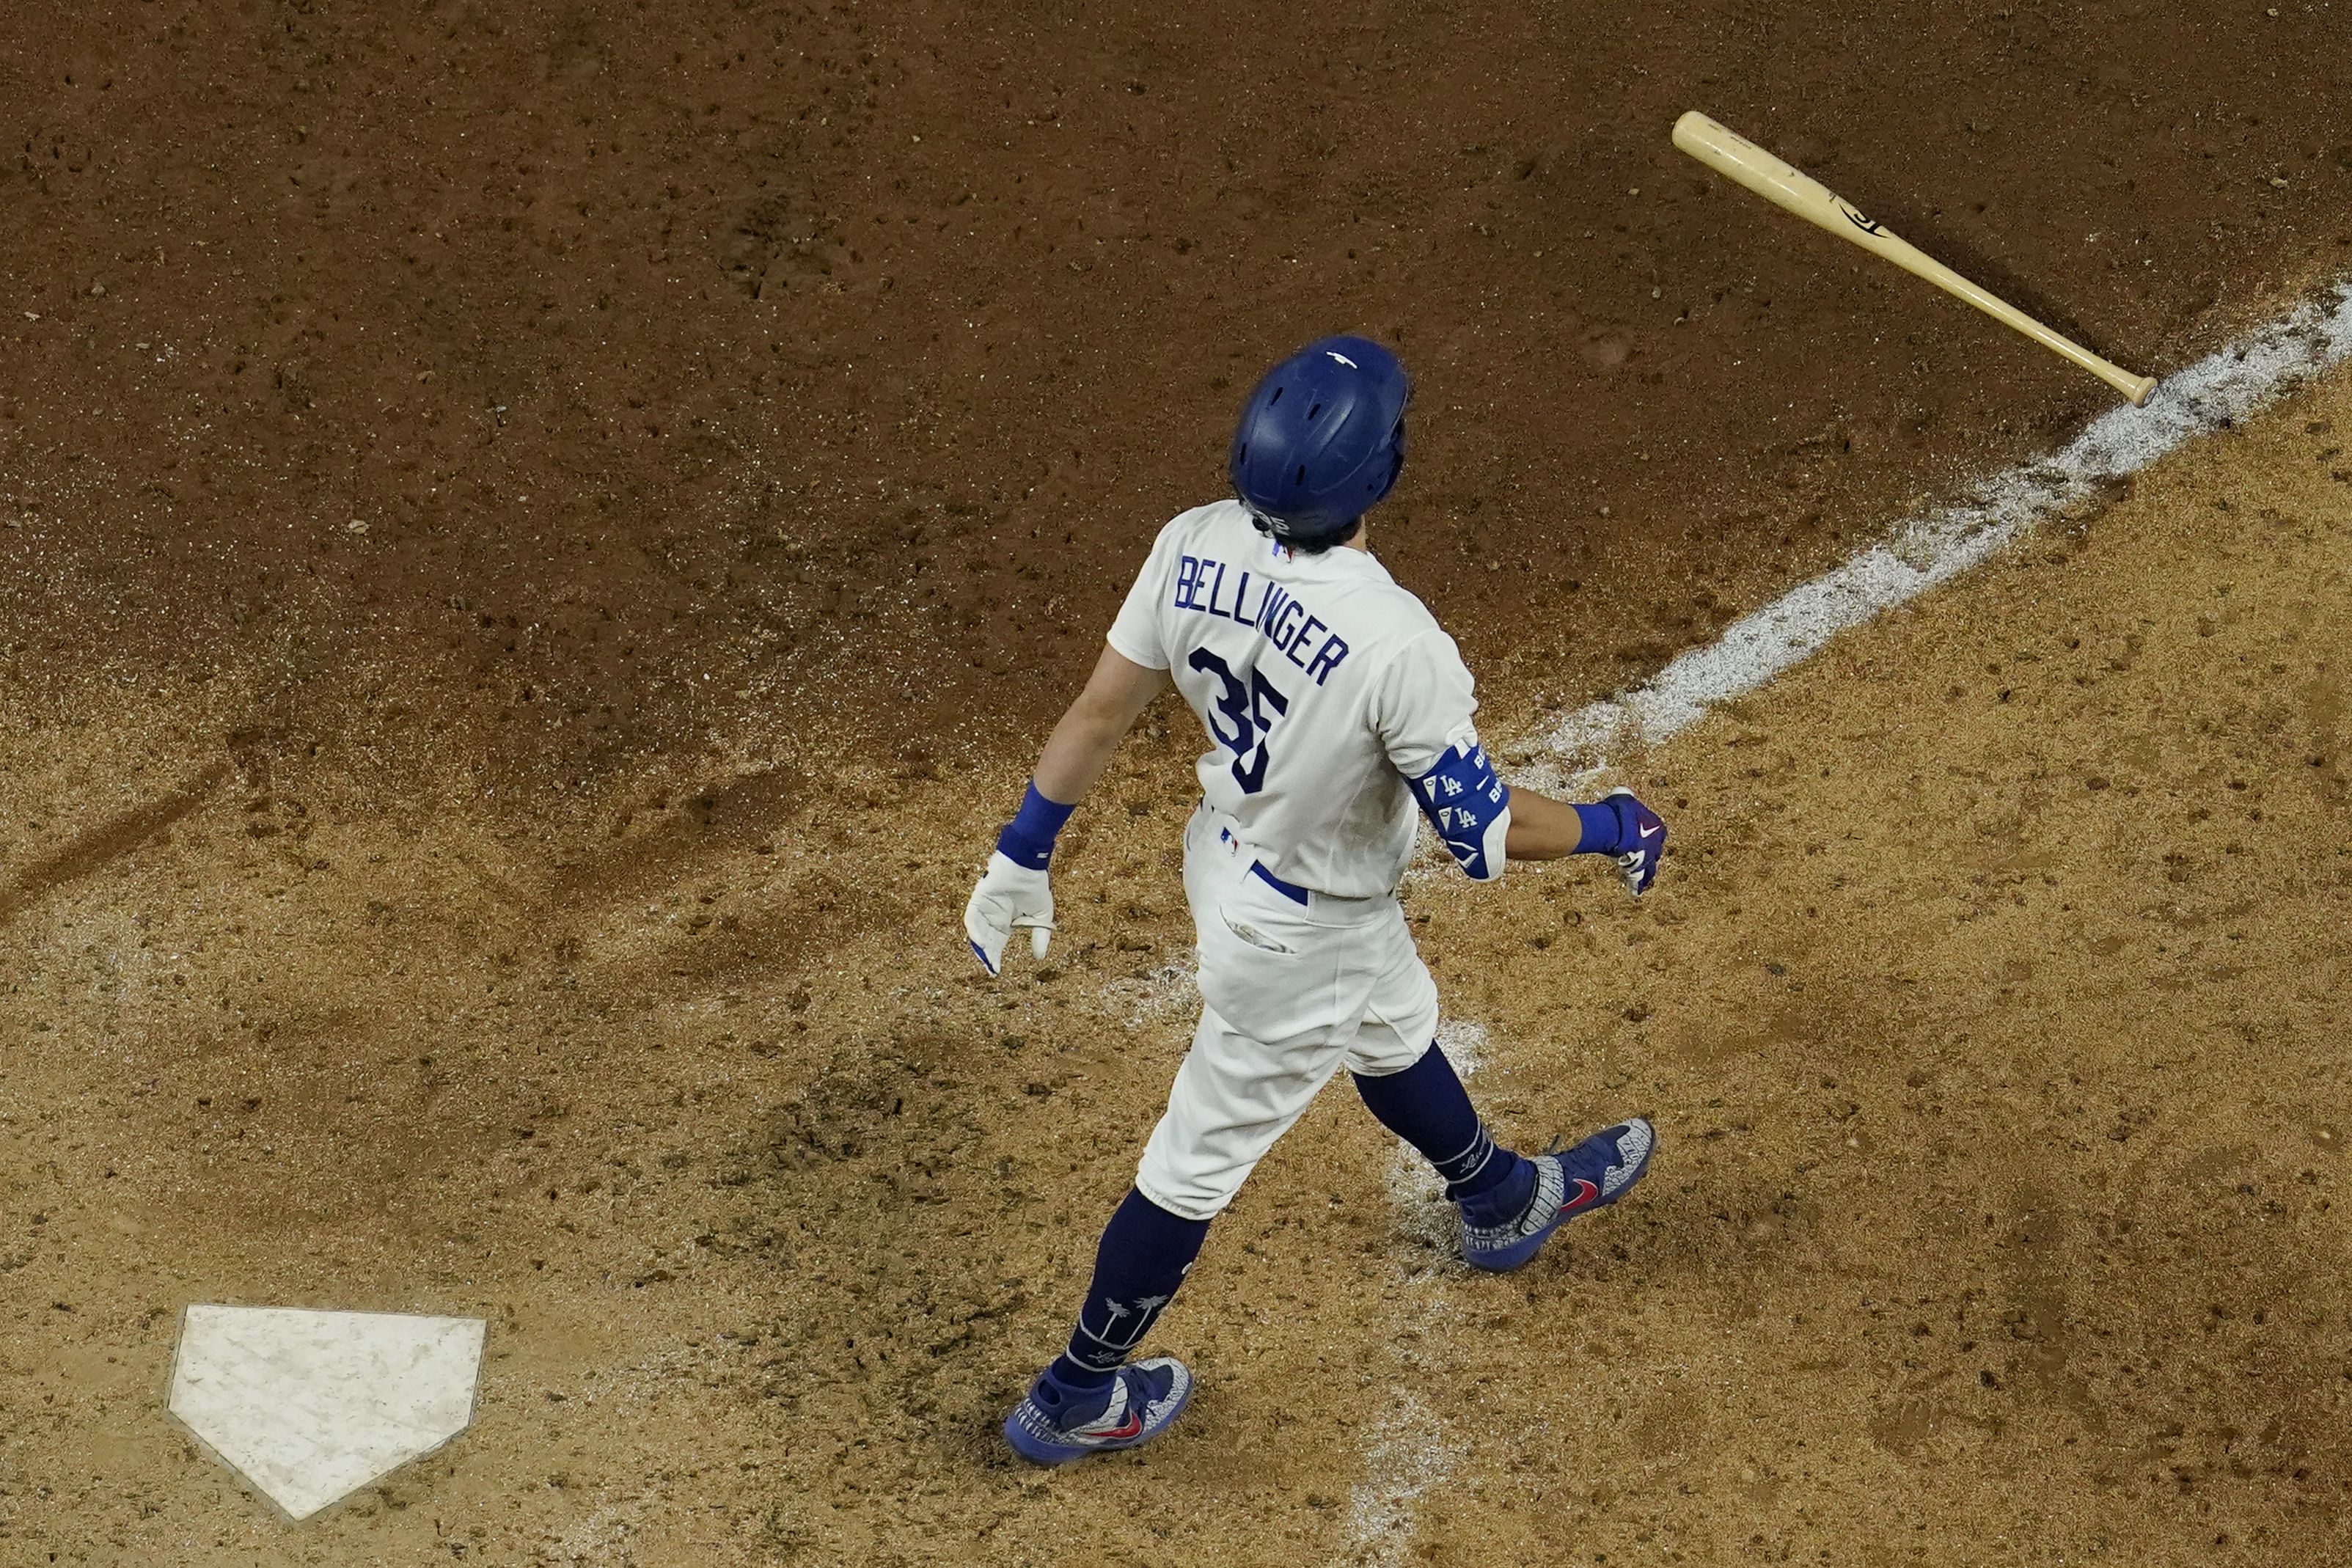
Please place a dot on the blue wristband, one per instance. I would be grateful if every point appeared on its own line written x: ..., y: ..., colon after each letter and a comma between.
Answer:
x: 1604, y: 830
x: 1028, y: 838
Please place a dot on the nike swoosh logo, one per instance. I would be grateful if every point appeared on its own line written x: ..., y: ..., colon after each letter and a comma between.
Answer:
x: 1131, y: 1426
x: 1586, y: 1195
x: 1651, y: 832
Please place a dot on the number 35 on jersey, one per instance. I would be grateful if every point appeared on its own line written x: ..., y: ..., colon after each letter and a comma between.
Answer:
x: 1249, y: 714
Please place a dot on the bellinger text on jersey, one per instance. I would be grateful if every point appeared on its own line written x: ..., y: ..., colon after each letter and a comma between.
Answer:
x: 1278, y: 617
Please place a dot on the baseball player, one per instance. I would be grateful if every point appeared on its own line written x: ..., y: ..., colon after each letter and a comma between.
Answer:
x: 1335, y: 707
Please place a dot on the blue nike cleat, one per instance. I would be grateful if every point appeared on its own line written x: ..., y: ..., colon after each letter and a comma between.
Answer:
x: 1057, y: 1423
x: 1594, y: 1173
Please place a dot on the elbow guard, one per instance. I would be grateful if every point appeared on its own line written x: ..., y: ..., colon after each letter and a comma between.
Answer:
x: 1468, y: 805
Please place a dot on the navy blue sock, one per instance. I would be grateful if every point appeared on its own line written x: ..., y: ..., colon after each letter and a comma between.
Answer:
x: 1427, y: 1106
x: 1142, y: 1260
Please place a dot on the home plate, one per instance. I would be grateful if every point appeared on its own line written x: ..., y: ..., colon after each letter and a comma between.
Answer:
x: 310, y: 1407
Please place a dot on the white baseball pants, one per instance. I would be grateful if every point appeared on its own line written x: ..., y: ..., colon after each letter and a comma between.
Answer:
x: 1290, y: 993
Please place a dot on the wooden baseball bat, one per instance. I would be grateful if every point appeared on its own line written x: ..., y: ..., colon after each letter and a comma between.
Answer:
x: 1729, y: 153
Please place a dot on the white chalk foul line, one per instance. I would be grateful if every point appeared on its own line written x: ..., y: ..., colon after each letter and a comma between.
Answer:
x: 1409, y: 1454
x: 1410, y: 1450
x: 2208, y: 397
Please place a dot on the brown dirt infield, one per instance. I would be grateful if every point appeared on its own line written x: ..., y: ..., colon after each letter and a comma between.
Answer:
x: 1988, y: 1014
x: 687, y: 363
x: 543, y: 908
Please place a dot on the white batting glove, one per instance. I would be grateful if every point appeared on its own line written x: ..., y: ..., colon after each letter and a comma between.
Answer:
x: 1009, y: 897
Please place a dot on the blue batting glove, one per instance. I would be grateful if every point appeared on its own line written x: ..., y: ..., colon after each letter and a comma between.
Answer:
x: 1628, y: 831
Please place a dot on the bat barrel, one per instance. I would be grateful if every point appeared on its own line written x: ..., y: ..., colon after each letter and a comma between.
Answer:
x: 1784, y: 185
x: 1736, y: 158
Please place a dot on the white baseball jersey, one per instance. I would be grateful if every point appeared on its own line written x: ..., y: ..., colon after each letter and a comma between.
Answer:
x: 1324, y: 685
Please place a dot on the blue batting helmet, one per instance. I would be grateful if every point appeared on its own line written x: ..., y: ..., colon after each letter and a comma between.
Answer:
x: 1321, y: 438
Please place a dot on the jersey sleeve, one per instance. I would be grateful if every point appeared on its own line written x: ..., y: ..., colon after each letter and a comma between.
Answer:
x: 1137, y: 632
x: 1424, y: 712
x: 1424, y: 703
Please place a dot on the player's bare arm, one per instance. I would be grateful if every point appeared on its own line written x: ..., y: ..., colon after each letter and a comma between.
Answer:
x: 1081, y: 745
x: 1013, y: 893
x: 1542, y: 828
